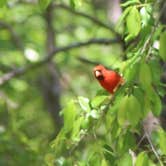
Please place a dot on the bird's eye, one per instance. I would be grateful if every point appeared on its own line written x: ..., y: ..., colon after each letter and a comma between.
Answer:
x: 99, y: 75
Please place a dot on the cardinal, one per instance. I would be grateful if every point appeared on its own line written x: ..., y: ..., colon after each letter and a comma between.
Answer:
x: 108, y: 79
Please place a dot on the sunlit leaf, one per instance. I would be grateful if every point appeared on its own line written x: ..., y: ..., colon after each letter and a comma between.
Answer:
x: 59, y: 142
x: 129, y: 110
x: 134, y: 111
x: 123, y: 17
x: 104, y: 162
x: 139, y: 94
x: 76, y: 129
x: 94, y: 114
x: 157, y: 105
x: 162, y: 49
x: 133, y: 22
x: 126, y: 160
x: 85, y: 123
x: 155, y: 70
x: 155, y: 101
x: 142, y: 159
x: 98, y: 100
x: 131, y: 72
x: 94, y: 158
x: 69, y: 114
x: 145, y: 13
x: 75, y: 3
x: 162, y: 141
x: 145, y: 76
x: 122, y: 113
x: 84, y: 103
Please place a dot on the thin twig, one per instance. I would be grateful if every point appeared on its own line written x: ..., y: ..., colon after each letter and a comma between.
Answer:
x: 140, y: 141
x: 153, y: 149
x: 87, y: 61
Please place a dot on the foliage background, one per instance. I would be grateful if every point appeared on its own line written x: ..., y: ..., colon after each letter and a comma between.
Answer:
x: 52, y: 110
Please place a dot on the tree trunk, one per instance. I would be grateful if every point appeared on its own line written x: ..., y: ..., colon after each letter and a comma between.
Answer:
x: 49, y: 79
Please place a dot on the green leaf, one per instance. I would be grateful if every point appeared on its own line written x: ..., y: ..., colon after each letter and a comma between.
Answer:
x: 76, y: 129
x: 134, y: 110
x: 102, y: 92
x: 104, y: 162
x: 145, y: 13
x: 129, y: 37
x: 84, y: 103
x: 131, y: 2
x: 155, y: 102
x: 85, y: 123
x: 133, y: 21
x: 162, y: 138
x: 129, y: 111
x: 109, y: 153
x: 157, y: 105
x: 59, y: 142
x: 139, y: 94
x: 126, y: 160
x: 145, y: 75
x: 151, y: 163
x: 162, y: 49
x: 155, y: 70
x: 142, y: 159
x: 75, y: 3
x: 98, y: 100
x: 131, y: 72
x: 94, y: 157
x: 94, y: 114
x: 69, y: 113
x: 123, y: 17
x: 44, y: 3
x: 122, y: 115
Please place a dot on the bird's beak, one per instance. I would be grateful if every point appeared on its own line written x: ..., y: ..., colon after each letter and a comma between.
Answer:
x: 97, y: 73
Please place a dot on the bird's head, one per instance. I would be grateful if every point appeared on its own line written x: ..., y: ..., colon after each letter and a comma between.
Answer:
x: 99, y: 72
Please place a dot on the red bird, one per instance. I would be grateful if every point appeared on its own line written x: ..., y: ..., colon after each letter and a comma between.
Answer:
x: 108, y: 79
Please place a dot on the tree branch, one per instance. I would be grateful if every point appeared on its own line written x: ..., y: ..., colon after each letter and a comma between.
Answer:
x: 153, y: 149
x: 50, y: 33
x: 15, y: 38
x: 87, y: 61
x: 49, y: 79
x: 82, y: 44
x: 20, y: 71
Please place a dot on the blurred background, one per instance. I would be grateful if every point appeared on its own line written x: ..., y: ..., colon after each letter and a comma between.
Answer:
x: 39, y: 74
